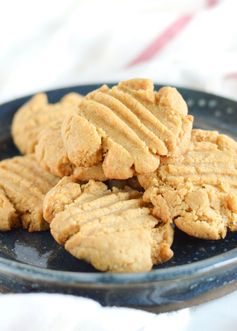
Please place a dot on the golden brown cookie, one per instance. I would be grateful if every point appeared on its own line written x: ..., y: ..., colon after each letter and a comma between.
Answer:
x: 111, y: 229
x: 23, y: 185
x: 198, y: 191
x: 53, y: 157
x: 8, y: 215
x: 35, y: 115
x: 71, y: 98
x: 127, y: 128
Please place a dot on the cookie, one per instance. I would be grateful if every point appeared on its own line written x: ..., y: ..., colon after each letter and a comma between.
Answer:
x: 23, y: 185
x: 53, y: 157
x: 198, y: 191
x: 8, y: 215
x: 35, y: 115
x: 127, y: 128
x: 110, y: 228
x: 71, y: 98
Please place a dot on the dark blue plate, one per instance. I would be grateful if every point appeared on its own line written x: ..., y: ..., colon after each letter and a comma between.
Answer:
x: 199, y: 271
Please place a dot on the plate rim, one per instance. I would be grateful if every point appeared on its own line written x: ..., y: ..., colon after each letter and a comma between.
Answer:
x: 196, y: 269
x: 98, y: 84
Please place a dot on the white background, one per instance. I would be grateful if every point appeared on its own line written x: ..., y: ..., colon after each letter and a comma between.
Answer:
x: 51, y: 43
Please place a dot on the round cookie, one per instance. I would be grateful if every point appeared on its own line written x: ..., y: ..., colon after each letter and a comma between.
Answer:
x: 110, y: 228
x: 53, y: 157
x: 198, y: 190
x: 36, y: 114
x: 23, y: 185
x: 127, y: 128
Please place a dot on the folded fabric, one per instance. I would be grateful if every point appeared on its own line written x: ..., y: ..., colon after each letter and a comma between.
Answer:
x: 49, y: 312
x: 55, y: 312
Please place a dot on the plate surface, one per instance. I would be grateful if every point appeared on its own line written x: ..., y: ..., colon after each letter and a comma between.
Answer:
x: 200, y: 270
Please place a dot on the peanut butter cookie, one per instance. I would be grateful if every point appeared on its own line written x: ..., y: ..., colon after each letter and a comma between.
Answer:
x: 127, y: 128
x: 23, y: 185
x: 53, y: 156
x: 36, y: 114
x: 111, y: 229
x: 198, y: 190
x: 8, y: 215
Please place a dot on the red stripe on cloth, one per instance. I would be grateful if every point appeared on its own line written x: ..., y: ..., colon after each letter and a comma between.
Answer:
x: 211, y: 3
x: 162, y: 40
x: 232, y: 75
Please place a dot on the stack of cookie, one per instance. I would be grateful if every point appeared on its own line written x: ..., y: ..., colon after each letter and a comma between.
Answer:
x: 126, y: 136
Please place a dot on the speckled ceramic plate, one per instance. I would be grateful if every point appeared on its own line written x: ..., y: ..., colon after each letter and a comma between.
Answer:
x: 199, y: 271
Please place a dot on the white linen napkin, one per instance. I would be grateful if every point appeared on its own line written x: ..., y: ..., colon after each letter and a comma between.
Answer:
x: 55, y: 312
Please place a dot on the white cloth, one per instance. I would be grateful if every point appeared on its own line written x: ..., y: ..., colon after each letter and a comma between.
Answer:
x: 48, y: 44
x: 55, y: 312
x: 42, y: 312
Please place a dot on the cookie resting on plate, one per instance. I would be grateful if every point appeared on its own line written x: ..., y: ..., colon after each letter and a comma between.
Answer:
x: 112, y: 229
x: 130, y: 123
x: 198, y: 191
x: 53, y: 157
x: 36, y: 114
x: 118, y: 132
x: 23, y: 185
